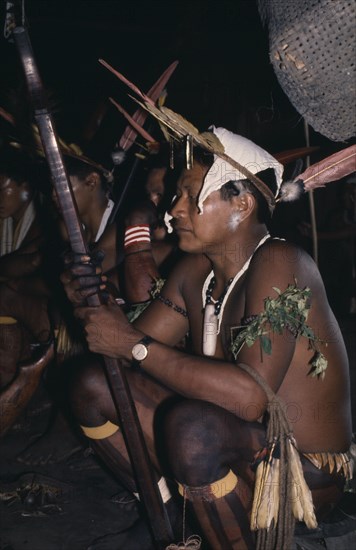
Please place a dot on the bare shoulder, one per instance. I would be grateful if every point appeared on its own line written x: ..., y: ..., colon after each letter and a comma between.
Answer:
x: 190, y: 270
x: 108, y: 238
x: 279, y: 258
x: 107, y: 244
x: 278, y: 264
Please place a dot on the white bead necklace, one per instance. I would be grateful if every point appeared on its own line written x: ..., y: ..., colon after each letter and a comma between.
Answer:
x: 214, y: 309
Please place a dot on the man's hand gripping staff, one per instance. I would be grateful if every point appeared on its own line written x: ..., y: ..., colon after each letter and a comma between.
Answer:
x: 107, y: 330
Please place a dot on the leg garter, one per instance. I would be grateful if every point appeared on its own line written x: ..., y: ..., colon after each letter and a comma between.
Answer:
x: 213, y: 491
x: 5, y: 320
x: 100, y: 432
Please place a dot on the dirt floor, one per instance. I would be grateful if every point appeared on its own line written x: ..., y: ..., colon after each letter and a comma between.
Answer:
x: 56, y: 495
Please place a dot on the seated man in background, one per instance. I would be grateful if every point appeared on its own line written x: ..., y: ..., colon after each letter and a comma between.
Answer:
x: 24, y: 320
x: 145, y: 230
x: 257, y: 419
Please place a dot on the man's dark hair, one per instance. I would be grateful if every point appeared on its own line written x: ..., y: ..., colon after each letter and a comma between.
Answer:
x: 18, y: 165
x: 77, y: 167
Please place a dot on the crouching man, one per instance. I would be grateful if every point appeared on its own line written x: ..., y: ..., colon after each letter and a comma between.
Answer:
x: 254, y: 421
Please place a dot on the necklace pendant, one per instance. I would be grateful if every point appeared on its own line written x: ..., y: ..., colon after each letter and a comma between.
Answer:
x: 210, y: 330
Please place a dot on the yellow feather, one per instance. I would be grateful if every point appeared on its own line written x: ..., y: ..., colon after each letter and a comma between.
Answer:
x: 257, y: 495
x: 303, y: 489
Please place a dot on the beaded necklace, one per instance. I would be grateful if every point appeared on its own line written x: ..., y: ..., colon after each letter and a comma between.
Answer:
x: 214, y: 309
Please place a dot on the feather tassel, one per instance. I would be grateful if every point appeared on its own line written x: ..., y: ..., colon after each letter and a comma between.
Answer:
x: 260, y: 476
x: 265, y: 504
x: 303, y: 491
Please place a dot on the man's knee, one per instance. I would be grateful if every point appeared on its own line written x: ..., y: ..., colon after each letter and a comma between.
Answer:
x: 196, y: 435
x: 88, y: 389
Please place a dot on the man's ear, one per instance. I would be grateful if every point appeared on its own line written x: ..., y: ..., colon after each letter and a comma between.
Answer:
x: 245, y: 204
x: 92, y: 180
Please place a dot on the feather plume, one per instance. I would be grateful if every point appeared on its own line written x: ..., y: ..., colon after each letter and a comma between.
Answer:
x: 266, y: 493
x: 264, y: 505
x: 274, y: 493
x: 134, y: 124
x: 332, y: 168
x: 128, y: 83
x: 304, y: 494
x: 291, y: 191
x: 139, y: 116
x: 257, y: 494
x: 6, y: 116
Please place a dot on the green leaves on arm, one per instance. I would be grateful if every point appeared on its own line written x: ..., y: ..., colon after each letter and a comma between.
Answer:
x: 289, y: 310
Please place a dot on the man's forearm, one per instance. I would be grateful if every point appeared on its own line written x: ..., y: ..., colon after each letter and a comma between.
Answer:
x: 212, y: 380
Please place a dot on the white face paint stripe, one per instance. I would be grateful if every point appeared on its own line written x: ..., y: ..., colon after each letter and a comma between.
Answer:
x: 234, y: 221
x: 24, y: 195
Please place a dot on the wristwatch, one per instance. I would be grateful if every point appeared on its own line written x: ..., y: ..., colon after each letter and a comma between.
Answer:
x: 140, y: 351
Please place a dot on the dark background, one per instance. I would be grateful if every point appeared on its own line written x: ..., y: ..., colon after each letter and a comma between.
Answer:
x: 224, y: 76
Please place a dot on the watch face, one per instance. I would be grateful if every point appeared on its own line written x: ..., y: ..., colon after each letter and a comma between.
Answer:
x: 139, y: 352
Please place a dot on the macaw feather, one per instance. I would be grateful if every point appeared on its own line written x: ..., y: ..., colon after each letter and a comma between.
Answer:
x: 332, y: 168
x: 156, y: 93
x: 6, y: 116
x: 139, y: 130
x: 125, y: 80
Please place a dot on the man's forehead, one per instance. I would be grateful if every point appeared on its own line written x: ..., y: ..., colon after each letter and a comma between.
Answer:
x: 6, y: 181
x: 193, y: 176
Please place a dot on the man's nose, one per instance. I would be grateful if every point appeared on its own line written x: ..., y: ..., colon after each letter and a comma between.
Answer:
x: 177, y: 209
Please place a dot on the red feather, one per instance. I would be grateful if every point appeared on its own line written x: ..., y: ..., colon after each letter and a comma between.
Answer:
x: 139, y: 116
x: 133, y: 124
x: 332, y: 168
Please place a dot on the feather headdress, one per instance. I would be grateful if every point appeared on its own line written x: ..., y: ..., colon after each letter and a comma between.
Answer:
x: 176, y: 127
x: 137, y: 120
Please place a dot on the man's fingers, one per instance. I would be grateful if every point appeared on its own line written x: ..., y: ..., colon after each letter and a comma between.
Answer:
x: 70, y: 258
x: 83, y: 312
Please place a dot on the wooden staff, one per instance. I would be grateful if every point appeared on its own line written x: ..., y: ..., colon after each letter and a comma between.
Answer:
x: 129, y: 422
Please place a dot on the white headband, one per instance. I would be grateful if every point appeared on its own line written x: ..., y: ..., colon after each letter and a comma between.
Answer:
x: 246, y: 153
